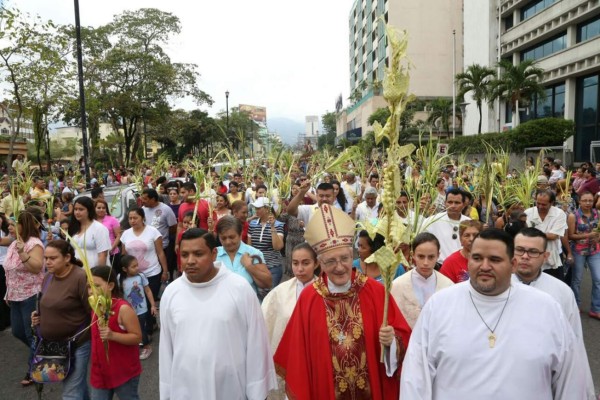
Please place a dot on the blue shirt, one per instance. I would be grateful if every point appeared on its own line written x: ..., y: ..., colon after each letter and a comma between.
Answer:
x: 399, y: 271
x: 236, y: 266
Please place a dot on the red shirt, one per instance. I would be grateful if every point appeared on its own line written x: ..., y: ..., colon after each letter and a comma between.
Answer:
x: 245, y: 227
x: 455, y: 267
x: 123, y: 360
x: 201, y: 214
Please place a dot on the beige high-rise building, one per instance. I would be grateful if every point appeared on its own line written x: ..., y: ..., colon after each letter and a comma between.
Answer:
x: 430, y: 25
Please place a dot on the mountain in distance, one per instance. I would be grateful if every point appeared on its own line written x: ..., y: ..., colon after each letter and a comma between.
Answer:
x: 287, y: 128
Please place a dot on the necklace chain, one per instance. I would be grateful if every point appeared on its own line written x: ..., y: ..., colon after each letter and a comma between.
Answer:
x: 492, y: 336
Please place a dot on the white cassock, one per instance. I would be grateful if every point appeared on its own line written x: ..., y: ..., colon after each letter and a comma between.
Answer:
x: 213, y: 341
x: 563, y: 294
x: 449, y: 355
x: 278, y: 306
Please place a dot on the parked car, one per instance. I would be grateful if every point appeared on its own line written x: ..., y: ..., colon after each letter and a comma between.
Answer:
x: 120, y: 199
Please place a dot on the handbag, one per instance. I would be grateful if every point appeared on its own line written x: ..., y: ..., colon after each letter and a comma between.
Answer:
x: 52, y: 359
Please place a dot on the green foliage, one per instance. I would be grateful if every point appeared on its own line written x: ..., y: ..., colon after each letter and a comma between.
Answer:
x: 329, y: 121
x: 535, y: 133
x: 380, y: 115
x: 476, y: 80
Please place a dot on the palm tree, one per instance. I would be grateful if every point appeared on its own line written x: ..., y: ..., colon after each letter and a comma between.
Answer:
x: 476, y: 79
x: 441, y: 110
x: 518, y: 84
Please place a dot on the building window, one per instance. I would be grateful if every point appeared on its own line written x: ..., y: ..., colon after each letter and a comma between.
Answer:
x: 4, y: 131
x: 546, y: 48
x: 535, y: 7
x: 588, y: 29
x: 508, y: 22
x: 587, y: 122
x: 553, y: 105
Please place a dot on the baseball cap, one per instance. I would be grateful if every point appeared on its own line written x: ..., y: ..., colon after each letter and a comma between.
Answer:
x: 261, y: 202
x: 542, y: 179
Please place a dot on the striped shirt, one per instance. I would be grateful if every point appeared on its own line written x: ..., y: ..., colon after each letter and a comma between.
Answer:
x: 261, y: 239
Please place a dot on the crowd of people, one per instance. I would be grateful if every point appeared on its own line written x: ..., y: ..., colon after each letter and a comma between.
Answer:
x: 487, y: 304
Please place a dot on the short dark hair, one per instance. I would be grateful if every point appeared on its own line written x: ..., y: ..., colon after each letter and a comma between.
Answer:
x: 456, y: 191
x: 375, y: 243
x: 424, y: 237
x: 195, y: 233
x: 234, y: 183
x: 325, y: 186
x: 108, y: 274
x: 96, y: 192
x: 189, y: 186
x: 151, y: 193
x: 500, y: 235
x: 138, y: 210
x: 533, y: 233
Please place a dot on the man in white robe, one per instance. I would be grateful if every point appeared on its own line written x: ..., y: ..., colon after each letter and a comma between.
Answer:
x: 213, y: 339
x: 489, y: 339
x: 531, y: 253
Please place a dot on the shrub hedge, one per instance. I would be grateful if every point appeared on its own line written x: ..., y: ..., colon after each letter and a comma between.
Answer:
x: 534, y: 133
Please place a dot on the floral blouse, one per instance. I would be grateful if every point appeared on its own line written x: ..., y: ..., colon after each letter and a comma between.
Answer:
x: 20, y: 283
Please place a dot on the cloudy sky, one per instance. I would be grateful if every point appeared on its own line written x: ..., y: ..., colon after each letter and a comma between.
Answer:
x: 289, y: 56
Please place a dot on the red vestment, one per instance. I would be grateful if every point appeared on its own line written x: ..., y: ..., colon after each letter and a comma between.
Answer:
x: 316, y: 365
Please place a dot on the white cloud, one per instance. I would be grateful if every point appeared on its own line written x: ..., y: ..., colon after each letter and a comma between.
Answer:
x: 291, y: 57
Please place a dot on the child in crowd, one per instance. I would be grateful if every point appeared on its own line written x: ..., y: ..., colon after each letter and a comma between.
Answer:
x: 187, y: 224
x: 135, y: 290
x: 117, y: 372
x: 67, y: 208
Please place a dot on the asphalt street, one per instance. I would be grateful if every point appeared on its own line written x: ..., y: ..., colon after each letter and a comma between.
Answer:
x: 13, y: 353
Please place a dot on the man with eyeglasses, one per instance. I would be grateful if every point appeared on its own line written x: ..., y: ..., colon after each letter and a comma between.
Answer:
x: 332, y: 344
x: 530, y: 254
x: 445, y: 225
x: 553, y: 222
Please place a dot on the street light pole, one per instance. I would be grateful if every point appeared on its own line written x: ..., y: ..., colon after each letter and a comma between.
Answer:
x: 227, y: 110
x: 144, y: 105
x: 453, y: 84
x: 86, y: 152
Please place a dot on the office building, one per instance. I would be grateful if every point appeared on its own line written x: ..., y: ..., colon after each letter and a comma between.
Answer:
x: 430, y: 25
x: 563, y: 37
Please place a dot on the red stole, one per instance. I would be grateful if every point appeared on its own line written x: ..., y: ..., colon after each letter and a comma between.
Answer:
x: 305, y: 357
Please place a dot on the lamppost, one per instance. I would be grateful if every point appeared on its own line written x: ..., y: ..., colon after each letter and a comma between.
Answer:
x: 463, y: 116
x: 144, y: 105
x: 453, y: 84
x: 227, y: 110
x: 81, y: 94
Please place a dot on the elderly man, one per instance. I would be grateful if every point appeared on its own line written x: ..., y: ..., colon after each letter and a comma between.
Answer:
x: 352, y: 186
x: 487, y: 338
x: 368, y: 210
x: 445, y: 225
x: 553, y: 222
x: 332, y: 343
x: 530, y: 254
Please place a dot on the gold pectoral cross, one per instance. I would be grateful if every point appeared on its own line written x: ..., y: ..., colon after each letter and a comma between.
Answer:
x: 492, y: 339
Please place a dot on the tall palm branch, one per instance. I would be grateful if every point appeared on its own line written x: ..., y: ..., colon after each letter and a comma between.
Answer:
x: 477, y: 80
x: 518, y: 84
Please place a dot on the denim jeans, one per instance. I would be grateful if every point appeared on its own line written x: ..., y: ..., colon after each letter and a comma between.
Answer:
x: 75, y: 387
x: 594, y: 265
x: 154, y: 284
x: 143, y: 318
x: 276, y: 274
x: 20, y: 322
x: 127, y: 391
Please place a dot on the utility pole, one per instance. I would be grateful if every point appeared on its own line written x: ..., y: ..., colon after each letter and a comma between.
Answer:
x: 453, y: 84
x: 86, y: 151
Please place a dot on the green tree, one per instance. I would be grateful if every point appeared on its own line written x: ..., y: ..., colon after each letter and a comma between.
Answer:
x: 29, y: 64
x: 329, y: 122
x: 476, y: 80
x: 131, y: 68
x: 441, y: 113
x: 517, y: 85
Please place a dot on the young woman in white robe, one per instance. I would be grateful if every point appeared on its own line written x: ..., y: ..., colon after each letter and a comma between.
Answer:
x: 412, y: 290
x: 278, y: 305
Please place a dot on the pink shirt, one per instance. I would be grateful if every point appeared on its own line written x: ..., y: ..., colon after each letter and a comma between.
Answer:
x: 20, y: 283
x: 111, y: 223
